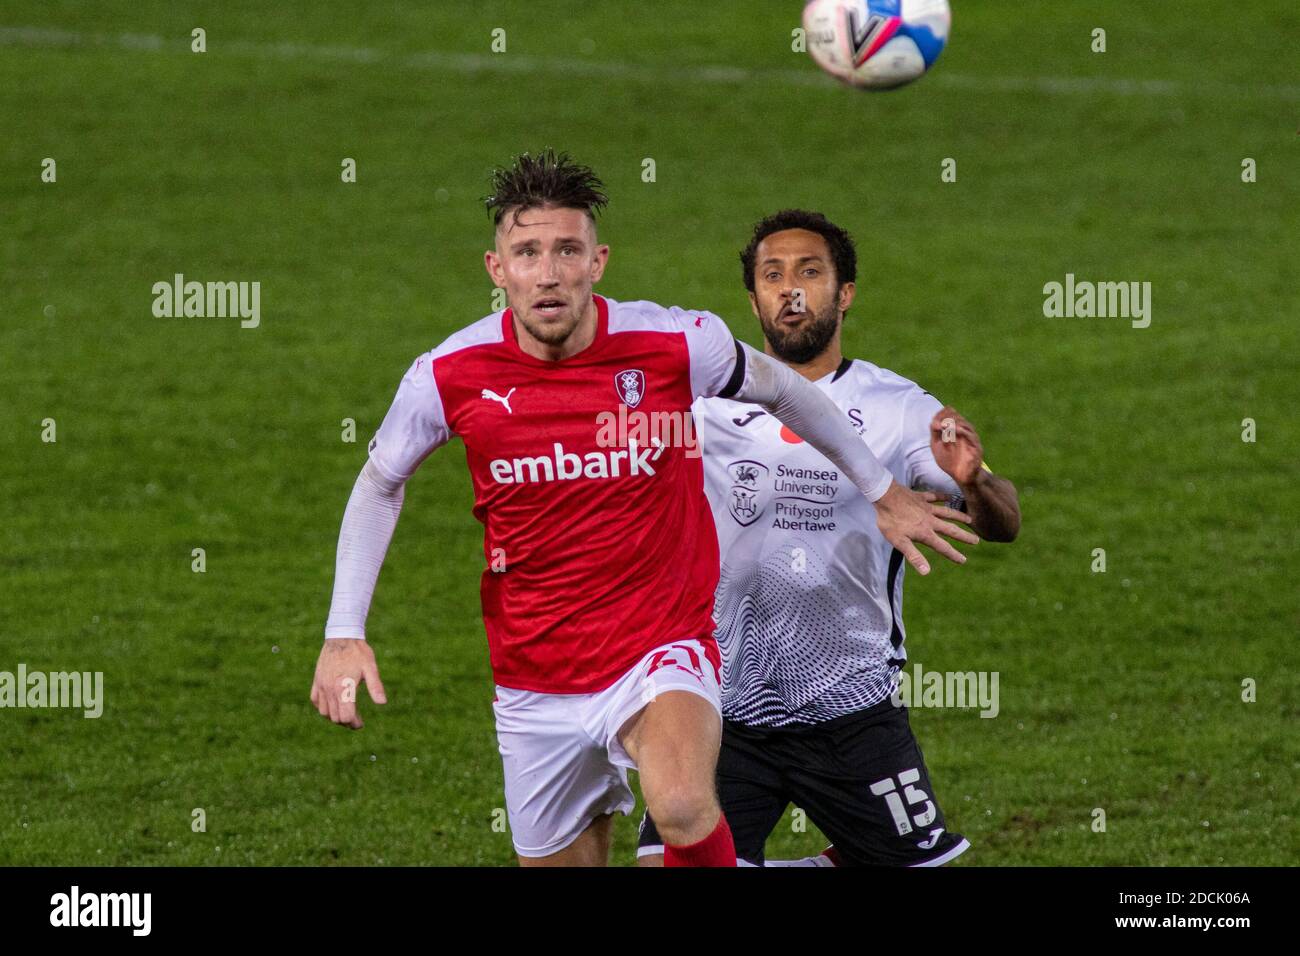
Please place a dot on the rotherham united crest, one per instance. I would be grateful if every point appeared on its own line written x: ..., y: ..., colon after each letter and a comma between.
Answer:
x: 630, y: 386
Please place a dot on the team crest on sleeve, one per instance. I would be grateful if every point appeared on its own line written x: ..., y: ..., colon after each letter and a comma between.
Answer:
x: 630, y: 386
x: 747, y: 498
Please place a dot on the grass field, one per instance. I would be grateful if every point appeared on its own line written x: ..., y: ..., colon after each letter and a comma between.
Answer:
x: 1119, y: 690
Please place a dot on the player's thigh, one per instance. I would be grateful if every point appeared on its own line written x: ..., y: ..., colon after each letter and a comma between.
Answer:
x: 591, y: 848
x: 750, y: 791
x: 673, y: 741
x: 557, y: 779
x: 665, y: 719
x: 866, y: 785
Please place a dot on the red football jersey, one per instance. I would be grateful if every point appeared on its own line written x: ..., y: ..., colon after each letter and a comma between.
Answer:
x: 598, y: 551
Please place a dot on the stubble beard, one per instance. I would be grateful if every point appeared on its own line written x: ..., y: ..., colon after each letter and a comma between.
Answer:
x: 799, y: 346
x: 554, y: 333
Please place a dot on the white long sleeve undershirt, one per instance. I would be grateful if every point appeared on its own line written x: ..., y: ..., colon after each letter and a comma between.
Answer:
x: 368, y: 524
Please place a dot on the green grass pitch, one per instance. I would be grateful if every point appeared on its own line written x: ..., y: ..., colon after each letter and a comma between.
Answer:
x: 1119, y: 690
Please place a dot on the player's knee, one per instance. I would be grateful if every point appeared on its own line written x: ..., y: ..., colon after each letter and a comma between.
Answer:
x: 684, y: 814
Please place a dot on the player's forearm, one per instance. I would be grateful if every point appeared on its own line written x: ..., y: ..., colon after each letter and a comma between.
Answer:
x: 368, y: 524
x: 993, y: 505
x: 806, y: 411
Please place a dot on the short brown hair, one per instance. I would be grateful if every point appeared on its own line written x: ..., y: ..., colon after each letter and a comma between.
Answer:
x: 544, y: 180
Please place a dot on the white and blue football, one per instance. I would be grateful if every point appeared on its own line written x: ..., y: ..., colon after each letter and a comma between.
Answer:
x: 876, y: 44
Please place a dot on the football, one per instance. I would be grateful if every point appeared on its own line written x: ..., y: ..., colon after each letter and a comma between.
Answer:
x: 876, y: 44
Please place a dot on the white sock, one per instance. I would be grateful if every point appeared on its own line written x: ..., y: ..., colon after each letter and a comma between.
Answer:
x: 819, y: 860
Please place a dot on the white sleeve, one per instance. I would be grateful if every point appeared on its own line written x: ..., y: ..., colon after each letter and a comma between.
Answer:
x: 712, y: 349
x: 811, y: 415
x: 368, y: 525
x: 414, y: 426
x: 923, y: 472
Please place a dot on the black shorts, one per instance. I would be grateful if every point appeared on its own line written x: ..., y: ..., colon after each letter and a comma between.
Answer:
x: 860, y: 778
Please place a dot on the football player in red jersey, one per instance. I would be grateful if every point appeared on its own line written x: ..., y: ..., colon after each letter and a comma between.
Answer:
x: 602, y: 555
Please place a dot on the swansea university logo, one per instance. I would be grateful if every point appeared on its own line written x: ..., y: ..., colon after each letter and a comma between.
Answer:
x: 630, y: 386
x: 748, y: 497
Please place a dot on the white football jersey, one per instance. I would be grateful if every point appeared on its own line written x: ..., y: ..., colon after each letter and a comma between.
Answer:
x: 809, y: 605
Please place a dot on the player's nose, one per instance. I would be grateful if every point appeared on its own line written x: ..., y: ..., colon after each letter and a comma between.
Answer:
x: 548, y: 273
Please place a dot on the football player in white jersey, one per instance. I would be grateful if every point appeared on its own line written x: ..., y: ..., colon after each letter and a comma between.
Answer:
x: 809, y: 601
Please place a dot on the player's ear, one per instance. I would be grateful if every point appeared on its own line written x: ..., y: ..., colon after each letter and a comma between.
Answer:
x: 492, y: 262
x: 598, y: 262
x: 753, y: 304
x: 847, y: 291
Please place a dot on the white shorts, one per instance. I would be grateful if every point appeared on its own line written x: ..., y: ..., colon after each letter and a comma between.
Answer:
x: 564, y: 765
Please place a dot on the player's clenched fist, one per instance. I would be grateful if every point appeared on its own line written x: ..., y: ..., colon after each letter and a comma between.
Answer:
x: 343, y: 664
x: 956, y: 445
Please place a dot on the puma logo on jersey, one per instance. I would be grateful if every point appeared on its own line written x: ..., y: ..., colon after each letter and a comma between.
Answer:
x: 492, y: 396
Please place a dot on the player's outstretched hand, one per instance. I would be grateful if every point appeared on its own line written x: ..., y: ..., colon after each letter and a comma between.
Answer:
x: 344, y: 663
x: 904, y: 517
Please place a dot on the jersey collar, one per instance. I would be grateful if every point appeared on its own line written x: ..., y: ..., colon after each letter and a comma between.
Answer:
x: 830, y: 378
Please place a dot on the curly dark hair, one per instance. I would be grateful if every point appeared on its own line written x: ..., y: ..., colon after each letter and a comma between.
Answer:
x: 544, y: 180
x: 843, y: 253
